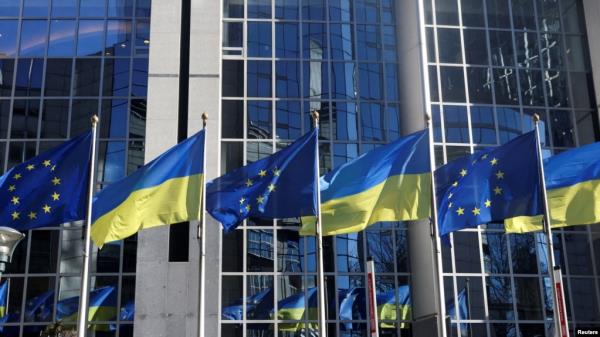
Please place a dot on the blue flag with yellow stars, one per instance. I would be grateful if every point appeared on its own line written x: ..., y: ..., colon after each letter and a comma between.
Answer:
x: 488, y: 186
x: 49, y: 189
x: 282, y: 185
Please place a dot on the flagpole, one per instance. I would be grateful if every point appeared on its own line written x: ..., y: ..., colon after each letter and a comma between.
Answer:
x: 558, y: 328
x: 435, y: 234
x: 85, y: 273
x: 319, y: 235
x: 202, y: 234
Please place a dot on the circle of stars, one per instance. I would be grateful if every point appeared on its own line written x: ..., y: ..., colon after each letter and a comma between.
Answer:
x: 246, y: 204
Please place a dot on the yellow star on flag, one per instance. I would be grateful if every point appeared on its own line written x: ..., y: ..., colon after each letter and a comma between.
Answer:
x: 248, y: 208
x: 500, y: 175
x: 15, y: 200
x: 260, y: 199
x: 488, y: 203
x: 463, y: 172
x: 12, y: 188
x: 262, y: 173
x: 46, y: 163
x: 242, y: 200
x: 460, y: 211
x: 17, y: 176
x: 56, y: 181
x: 46, y: 208
x: 32, y: 215
x: 497, y: 190
x: 15, y: 215
x: 454, y: 184
x: 276, y: 172
x: 249, y: 182
x: 30, y: 167
x: 476, y: 211
x: 494, y: 161
x: 271, y: 187
x: 55, y: 196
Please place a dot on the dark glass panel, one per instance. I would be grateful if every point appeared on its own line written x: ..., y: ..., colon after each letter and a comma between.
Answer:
x: 62, y: 38
x: 316, y: 84
x: 120, y: 8
x: 368, y: 42
x: 7, y: 68
x: 370, y: 75
x: 367, y: 11
x: 453, y: 84
x: 55, y: 119
x: 290, y: 252
x: 528, y: 54
x: 430, y: 37
x: 390, y: 52
x: 472, y: 13
x: 483, y: 126
x: 433, y: 84
x: 344, y: 82
x: 343, y: 153
x: 523, y: 254
x: 582, y: 89
x: 587, y: 128
x: 372, y: 122
x: 500, y: 301
x: 232, y: 296
x: 259, y: 79
x: 341, y: 10
x: 287, y: 79
x: 557, y: 90
x: 82, y: 111
x: 64, y: 8
x: 233, y: 8
x: 548, y: 15
x: 259, y: 301
x: 29, y: 77
x: 314, y: 40
x: 259, y: 39
x: 19, y: 152
x: 578, y: 253
x: 456, y: 124
x: 108, y: 258
x: 342, y: 45
x: 428, y: 8
x: 259, y: 253
x: 380, y: 245
x: 474, y: 292
x: 573, y: 16
x: 505, y: 84
x: 402, y: 257
x: 35, y: 8
x: 111, y: 162
x: 8, y: 37
x: 532, y: 92
x: 480, y: 85
x: 446, y: 12
x: 137, y: 118
x: 498, y: 14
x: 39, y: 289
x: 475, y: 47
x: 233, y: 330
x: 114, y: 118
x: 4, y: 117
x: 233, y: 78
x: 583, y: 296
x: 116, y: 77
x: 287, y: 38
x: 95, y: 8
x: 232, y: 157
x: 392, y: 116
x: 118, y: 38
x: 577, y: 53
x: 349, y: 252
x: 86, y: 81
x: 286, y: 9
x: 455, y: 152
x: 58, y: 77
x: 529, y: 301
x: 466, y: 252
x: 139, y: 85
x: 233, y: 34
x: 501, y: 47
x: 232, y: 119
x: 345, y: 119
x: 25, y: 117
x: 437, y: 123
x: 142, y: 37
x: 495, y: 253
x: 259, y: 120
x: 259, y: 9
x: 129, y: 254
x: 449, y: 45
x: 90, y: 37
x: 313, y: 9
x: 34, y: 37
x: 10, y: 7
x: 135, y: 158
x: 509, y: 123
x: 552, y: 51
x: 288, y: 120
x: 388, y: 12
x: 523, y: 14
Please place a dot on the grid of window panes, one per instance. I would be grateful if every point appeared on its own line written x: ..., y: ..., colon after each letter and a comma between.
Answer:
x: 283, y: 59
x: 493, y: 64
x: 60, y: 62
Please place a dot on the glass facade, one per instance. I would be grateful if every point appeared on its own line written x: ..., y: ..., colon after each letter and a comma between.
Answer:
x: 60, y: 62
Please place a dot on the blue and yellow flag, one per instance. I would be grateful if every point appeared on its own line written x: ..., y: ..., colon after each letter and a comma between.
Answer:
x: 390, y: 183
x: 102, y: 306
x: 49, y: 189
x: 39, y: 308
x: 3, y: 301
x: 167, y: 190
x: 282, y: 185
x: 463, y: 309
x: 573, y: 189
x: 488, y: 186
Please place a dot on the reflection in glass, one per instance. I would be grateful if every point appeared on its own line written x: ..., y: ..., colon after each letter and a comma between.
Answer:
x: 456, y: 124
x: 290, y: 251
x: 259, y: 79
x: 286, y: 9
x: 116, y: 77
x: 344, y: 80
x: 495, y: 253
x: 500, y: 301
x: 33, y: 37
x: 343, y: 153
x: 556, y: 88
x: 498, y: 14
x: 483, y: 126
x: 480, y: 85
x: 259, y: 119
x: 91, y: 8
x: 584, y: 300
x: 316, y: 84
x: 288, y: 119
x: 372, y: 120
x: 475, y: 47
x: 233, y: 119
x: 392, y: 117
x: 86, y: 81
x: 505, y: 85
x: 527, y: 293
x: 287, y: 38
x: 349, y: 252
x: 368, y: 42
x: 8, y: 37
x: 453, y: 84
x: 313, y: 9
x: 287, y: 79
x: 447, y: 12
x: 548, y: 15
x: 40, y: 297
x: 523, y: 14
x: 233, y: 8
x: 562, y: 128
x: 114, y: 118
x: 259, y: 9
x: 342, y: 37
x: 29, y: 77
x: 259, y: 250
x: 340, y: 10
x: 24, y: 123
x: 531, y: 87
x: 552, y: 51
x: 390, y: 51
x: 259, y: 300
x: 380, y: 244
x: 523, y: 254
x: 371, y: 81
x: 449, y: 45
x: 118, y: 38
x: 111, y: 166
x: 528, y: 54
x: 90, y: 37
x: 259, y: 39
x: 35, y: 7
x: 55, y: 119
x: 509, y: 123
x: 314, y: 40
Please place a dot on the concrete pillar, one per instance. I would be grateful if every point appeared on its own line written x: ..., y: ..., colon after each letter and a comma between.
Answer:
x: 591, y: 8
x: 413, y: 100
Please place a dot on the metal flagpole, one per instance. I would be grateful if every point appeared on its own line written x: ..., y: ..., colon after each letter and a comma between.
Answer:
x: 560, y: 322
x: 319, y: 235
x: 468, y: 289
x: 371, y: 293
x: 85, y: 273
x: 436, y: 236
x: 202, y: 235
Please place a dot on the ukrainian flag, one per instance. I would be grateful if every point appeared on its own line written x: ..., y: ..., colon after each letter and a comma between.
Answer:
x: 573, y: 188
x: 165, y: 191
x: 102, y: 307
x: 3, y: 302
x: 390, y: 183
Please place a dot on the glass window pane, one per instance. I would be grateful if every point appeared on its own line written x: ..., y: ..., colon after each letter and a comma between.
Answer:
x: 288, y: 119
x: 446, y: 12
x: 556, y: 88
x: 342, y: 45
x: 290, y: 252
x: 552, y: 51
x: 500, y: 301
x: 501, y: 47
x: 7, y: 70
x: 40, y: 298
x: 368, y: 42
x: 577, y: 53
x: 86, y: 81
x: 573, y: 16
x: 90, y: 37
x: 64, y: 8
x: 453, y: 84
x: 345, y: 117
x: 233, y: 78
x: 58, y: 77
x: 259, y: 252
x: 583, y: 296
x: 437, y: 123
x: 142, y: 37
x: 523, y: 254
x: 8, y: 37
x: 55, y: 119
x: 586, y: 131
x: 475, y: 47
x: 10, y: 7
x: 531, y: 87
x: 25, y: 117
x: 29, y: 77
x: 480, y: 85
x: 259, y: 9
x: 259, y: 79
x: 139, y: 81
x: 287, y: 77
x: 137, y: 118
x: 433, y: 84
x: 286, y: 9
x: 344, y: 82
x: 523, y: 14
x: 313, y: 9
x: 118, y: 38
x: 111, y: 162
x: 370, y: 75
x: 259, y: 300
x: 349, y: 252
x: 34, y: 37
x: 92, y: 8
x: 456, y: 124
x: 4, y: 116
x: 314, y: 40
x: 232, y: 298
x: 232, y: 119
x: 120, y: 8
x: 466, y: 252
x: 287, y: 40
x: 498, y: 14
x: 233, y: 34
x: 495, y: 253
x: 548, y: 15
x: 582, y: 89
x: 372, y: 122
x: 389, y: 44
x: 114, y: 118
x: 259, y: 39
x: 116, y: 77
x: 380, y: 243
x: 527, y: 293
x: 483, y: 126
x: 340, y: 10
x: 82, y: 111
x: 259, y: 119
x: 343, y: 153
x: 233, y: 8
x: 35, y: 8
x: 316, y: 84
x: 505, y: 84
x: 367, y: 11
x: 528, y: 54
x: 472, y: 13
x: 449, y: 45
x: 578, y: 253
x: 62, y: 38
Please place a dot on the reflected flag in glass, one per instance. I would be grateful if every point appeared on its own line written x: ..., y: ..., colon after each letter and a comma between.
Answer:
x: 573, y: 187
x: 491, y: 185
x: 39, y: 308
x: 389, y: 183
x: 282, y: 185
x: 102, y: 307
x: 3, y: 303
x: 463, y: 309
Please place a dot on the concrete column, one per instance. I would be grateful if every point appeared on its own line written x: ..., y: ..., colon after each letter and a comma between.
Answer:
x: 591, y: 8
x: 421, y: 244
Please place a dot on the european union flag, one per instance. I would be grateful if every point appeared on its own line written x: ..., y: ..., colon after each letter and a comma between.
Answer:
x: 49, y: 189
x: 491, y: 185
x: 283, y: 185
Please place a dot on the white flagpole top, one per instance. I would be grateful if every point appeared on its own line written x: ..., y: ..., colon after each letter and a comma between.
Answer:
x: 315, y: 117
x: 95, y: 119
x: 204, y: 119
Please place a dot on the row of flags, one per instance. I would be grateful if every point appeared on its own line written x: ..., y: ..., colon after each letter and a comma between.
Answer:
x: 389, y: 183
